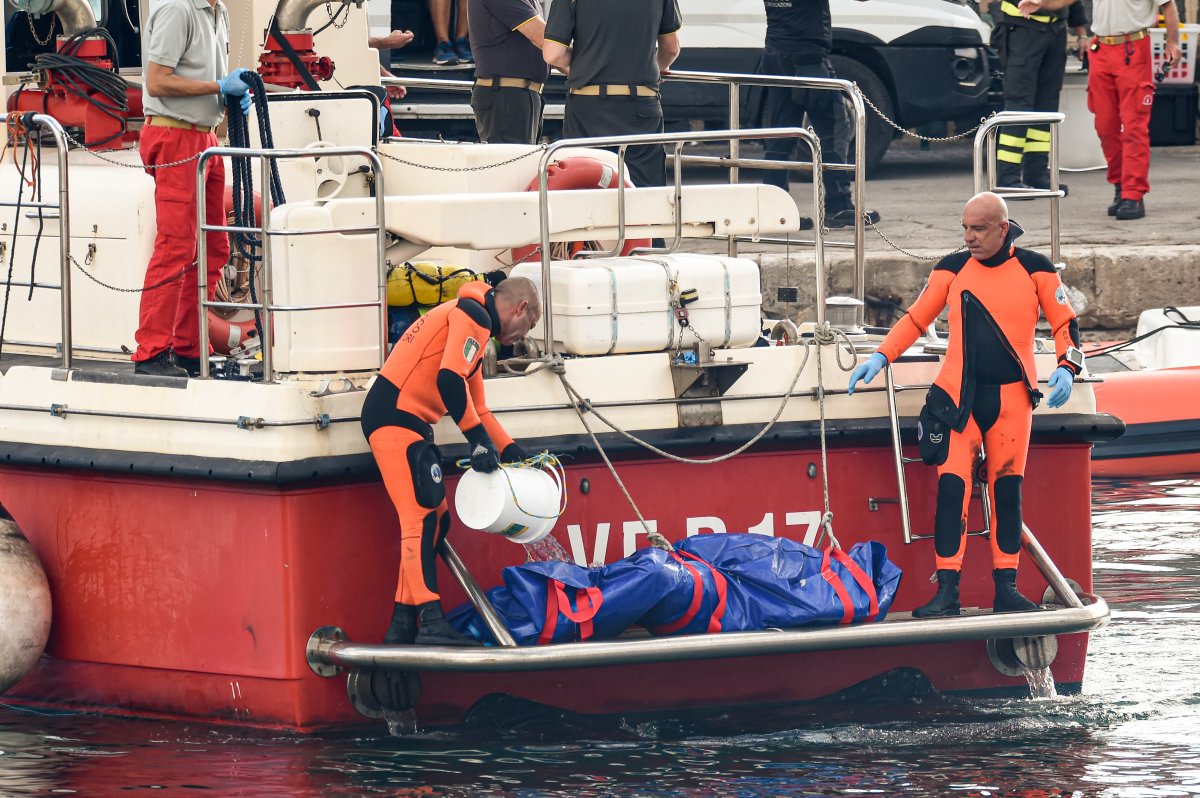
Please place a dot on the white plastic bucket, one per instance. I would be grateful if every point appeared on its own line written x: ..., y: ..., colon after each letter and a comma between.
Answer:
x: 522, y: 503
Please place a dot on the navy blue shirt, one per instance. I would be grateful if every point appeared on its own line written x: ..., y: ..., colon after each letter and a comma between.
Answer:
x: 501, y: 50
x: 800, y: 28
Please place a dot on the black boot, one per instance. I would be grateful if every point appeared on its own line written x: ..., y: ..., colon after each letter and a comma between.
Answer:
x: 1007, y: 598
x: 945, y: 601
x: 1116, y: 203
x: 435, y: 630
x: 1008, y: 175
x: 403, y: 629
x: 1035, y: 167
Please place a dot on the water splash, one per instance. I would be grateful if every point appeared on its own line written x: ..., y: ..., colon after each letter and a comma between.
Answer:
x: 548, y: 549
x: 1041, y: 683
x: 401, y: 723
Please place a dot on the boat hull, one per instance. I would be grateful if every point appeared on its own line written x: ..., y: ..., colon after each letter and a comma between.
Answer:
x: 1162, y: 426
x: 194, y: 598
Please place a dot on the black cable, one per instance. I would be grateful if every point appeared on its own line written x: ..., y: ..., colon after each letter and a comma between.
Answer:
x: 104, y: 89
x: 247, y: 244
x: 37, y: 239
x: 12, y: 250
x: 1186, y: 325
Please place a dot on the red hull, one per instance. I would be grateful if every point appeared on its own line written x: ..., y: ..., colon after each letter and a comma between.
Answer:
x: 1162, y: 436
x: 187, y: 598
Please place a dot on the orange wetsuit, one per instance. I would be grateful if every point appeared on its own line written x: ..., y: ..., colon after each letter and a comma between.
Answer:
x: 988, y: 382
x: 434, y: 369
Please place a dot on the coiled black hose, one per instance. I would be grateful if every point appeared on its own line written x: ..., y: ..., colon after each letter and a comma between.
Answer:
x: 248, y: 244
x: 102, y: 88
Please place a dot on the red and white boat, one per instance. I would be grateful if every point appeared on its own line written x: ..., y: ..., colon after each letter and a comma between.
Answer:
x: 1151, y: 382
x: 222, y: 548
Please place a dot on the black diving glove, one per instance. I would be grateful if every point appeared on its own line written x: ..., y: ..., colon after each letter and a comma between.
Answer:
x: 513, y: 453
x: 484, y: 457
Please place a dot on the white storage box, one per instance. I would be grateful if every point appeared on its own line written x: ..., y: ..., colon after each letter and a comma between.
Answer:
x: 618, y: 305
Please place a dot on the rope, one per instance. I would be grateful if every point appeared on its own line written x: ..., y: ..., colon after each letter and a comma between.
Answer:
x: 247, y: 244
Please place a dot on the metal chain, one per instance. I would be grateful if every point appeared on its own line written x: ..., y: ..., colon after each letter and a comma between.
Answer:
x: 332, y: 17
x: 34, y: 33
x: 905, y: 132
x: 482, y: 168
x: 79, y: 145
x: 901, y: 249
x: 99, y: 282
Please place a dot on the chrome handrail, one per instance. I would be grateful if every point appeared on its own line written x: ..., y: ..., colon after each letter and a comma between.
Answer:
x: 735, y: 82
x: 621, y: 143
x: 266, y: 233
x: 984, y: 167
x: 64, y: 228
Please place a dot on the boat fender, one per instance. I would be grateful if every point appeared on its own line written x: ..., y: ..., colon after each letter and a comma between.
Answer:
x: 25, y: 608
x: 568, y: 174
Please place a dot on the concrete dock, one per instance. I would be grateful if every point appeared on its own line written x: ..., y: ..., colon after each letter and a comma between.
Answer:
x: 1118, y: 268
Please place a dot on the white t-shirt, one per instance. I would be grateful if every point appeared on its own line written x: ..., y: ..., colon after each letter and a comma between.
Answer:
x: 1118, y: 17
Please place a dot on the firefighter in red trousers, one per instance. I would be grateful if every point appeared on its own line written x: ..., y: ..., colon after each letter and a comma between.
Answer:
x: 434, y: 369
x: 987, y: 387
x: 1121, y: 88
x: 186, y: 43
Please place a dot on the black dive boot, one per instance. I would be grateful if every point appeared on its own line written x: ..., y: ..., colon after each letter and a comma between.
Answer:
x: 1007, y: 598
x: 403, y: 629
x: 435, y: 630
x: 945, y: 601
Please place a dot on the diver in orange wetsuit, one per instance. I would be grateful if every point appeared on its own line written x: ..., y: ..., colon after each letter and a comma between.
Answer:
x: 435, y: 369
x: 987, y: 387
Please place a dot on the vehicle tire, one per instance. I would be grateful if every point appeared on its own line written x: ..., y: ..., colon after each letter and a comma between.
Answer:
x: 879, y: 133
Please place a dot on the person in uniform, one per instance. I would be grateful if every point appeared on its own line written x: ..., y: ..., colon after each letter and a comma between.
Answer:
x: 509, y: 70
x: 1121, y: 88
x: 435, y: 369
x: 187, y: 45
x: 1033, y: 52
x: 614, y: 53
x: 986, y: 390
x: 798, y: 41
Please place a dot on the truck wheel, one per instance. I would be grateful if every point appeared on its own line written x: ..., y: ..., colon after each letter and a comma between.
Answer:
x: 879, y: 133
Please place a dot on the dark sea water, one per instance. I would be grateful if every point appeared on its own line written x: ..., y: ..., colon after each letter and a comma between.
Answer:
x: 1134, y: 731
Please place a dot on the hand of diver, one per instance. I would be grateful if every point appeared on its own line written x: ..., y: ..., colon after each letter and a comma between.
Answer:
x: 866, y: 370
x: 1060, y: 384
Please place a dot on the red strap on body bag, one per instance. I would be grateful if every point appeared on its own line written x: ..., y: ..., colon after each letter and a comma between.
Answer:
x: 588, y: 601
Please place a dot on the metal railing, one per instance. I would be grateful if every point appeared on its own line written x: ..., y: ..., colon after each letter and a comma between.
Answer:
x: 733, y: 161
x: 679, y: 140
x: 985, y: 163
x: 64, y: 227
x: 265, y: 232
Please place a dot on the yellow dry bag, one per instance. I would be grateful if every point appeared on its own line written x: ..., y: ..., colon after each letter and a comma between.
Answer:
x: 426, y: 283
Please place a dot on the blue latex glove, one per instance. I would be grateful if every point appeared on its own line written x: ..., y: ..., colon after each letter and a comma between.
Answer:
x: 867, y: 370
x: 233, y: 85
x: 244, y: 100
x: 1060, y: 384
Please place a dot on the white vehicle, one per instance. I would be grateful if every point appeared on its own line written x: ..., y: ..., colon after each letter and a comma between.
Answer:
x: 918, y: 61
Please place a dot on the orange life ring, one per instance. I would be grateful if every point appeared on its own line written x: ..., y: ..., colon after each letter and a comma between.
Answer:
x: 572, y: 173
x: 230, y: 329
x: 233, y: 334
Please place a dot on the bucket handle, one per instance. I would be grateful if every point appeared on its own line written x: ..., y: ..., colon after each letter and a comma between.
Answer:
x: 551, y: 465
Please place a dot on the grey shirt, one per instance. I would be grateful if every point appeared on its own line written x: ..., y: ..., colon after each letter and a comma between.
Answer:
x: 1118, y: 17
x: 191, y: 37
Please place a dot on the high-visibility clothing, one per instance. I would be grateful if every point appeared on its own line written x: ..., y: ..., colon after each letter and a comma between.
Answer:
x: 989, y: 378
x: 433, y: 369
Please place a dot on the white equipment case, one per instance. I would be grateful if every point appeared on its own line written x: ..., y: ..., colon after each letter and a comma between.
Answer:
x: 605, y: 306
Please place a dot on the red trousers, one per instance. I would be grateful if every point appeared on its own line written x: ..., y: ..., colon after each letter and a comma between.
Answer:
x: 169, y: 313
x: 1120, y: 95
